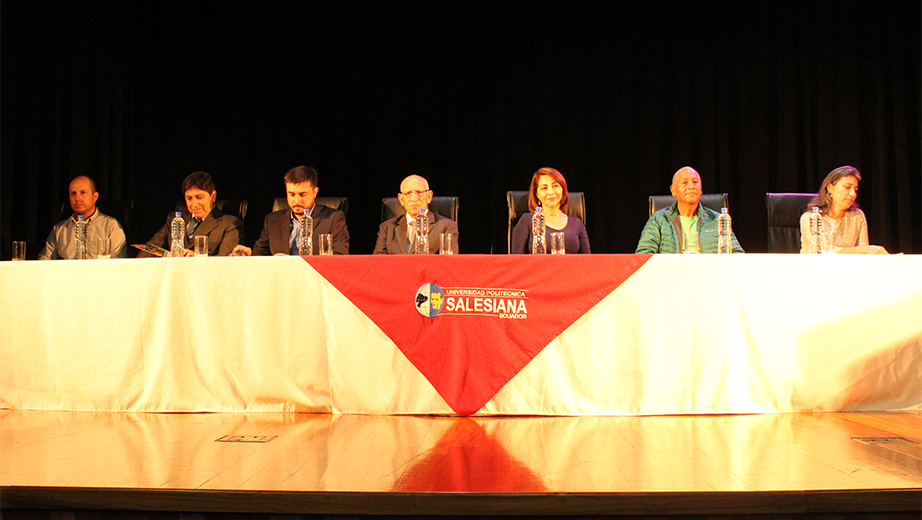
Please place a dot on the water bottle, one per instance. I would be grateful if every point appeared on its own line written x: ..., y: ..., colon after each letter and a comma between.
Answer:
x: 815, y: 245
x: 422, y: 232
x: 306, y: 245
x: 178, y: 234
x: 538, y: 243
x: 81, y: 238
x: 724, y: 233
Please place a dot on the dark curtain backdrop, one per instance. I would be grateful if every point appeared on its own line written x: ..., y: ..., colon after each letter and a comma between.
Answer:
x: 757, y: 96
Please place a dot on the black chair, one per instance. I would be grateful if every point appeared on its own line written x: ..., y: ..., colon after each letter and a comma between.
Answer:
x: 784, y: 211
x: 713, y: 201
x: 517, y: 201
x: 340, y: 203
x: 445, y: 206
x: 237, y: 208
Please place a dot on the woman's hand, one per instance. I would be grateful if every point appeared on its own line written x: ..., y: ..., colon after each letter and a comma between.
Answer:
x: 864, y: 250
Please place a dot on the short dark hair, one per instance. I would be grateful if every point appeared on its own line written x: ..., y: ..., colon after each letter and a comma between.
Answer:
x: 200, y: 180
x: 300, y: 174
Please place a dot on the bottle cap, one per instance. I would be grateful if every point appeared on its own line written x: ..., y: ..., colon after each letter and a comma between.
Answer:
x: 179, y: 213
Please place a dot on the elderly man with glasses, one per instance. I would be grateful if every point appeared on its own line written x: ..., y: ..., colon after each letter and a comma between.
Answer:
x: 396, y: 236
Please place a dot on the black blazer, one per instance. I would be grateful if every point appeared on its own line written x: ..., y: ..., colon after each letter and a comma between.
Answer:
x: 277, y: 230
x: 392, y: 234
x: 224, y: 232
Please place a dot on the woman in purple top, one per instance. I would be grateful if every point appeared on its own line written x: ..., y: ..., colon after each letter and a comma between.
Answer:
x: 549, y: 190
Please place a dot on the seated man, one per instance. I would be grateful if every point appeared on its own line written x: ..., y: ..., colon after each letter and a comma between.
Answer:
x: 202, y: 218
x: 281, y: 229
x: 62, y: 241
x: 395, y: 236
x: 666, y: 229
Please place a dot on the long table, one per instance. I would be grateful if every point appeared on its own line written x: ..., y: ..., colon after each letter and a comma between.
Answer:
x: 466, y: 334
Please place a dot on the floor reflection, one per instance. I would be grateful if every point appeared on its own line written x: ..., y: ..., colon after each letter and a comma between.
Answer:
x: 319, y: 452
x: 468, y: 459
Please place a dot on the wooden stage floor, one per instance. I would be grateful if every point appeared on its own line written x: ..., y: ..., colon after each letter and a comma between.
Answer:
x: 271, y: 463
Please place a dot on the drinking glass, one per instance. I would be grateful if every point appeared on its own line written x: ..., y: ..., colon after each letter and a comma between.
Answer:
x: 19, y: 251
x: 102, y: 249
x: 828, y: 241
x: 201, y: 246
x: 558, y: 244
x: 326, y: 244
x: 692, y: 246
x: 445, y: 244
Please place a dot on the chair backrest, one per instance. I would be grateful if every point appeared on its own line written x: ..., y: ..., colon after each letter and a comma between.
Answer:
x: 784, y: 211
x: 517, y: 201
x: 340, y: 203
x: 445, y: 206
x: 713, y: 201
x: 237, y: 208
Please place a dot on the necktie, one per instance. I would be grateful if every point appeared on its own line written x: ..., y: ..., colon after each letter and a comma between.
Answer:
x: 411, y: 235
x: 293, y: 238
x: 193, y: 225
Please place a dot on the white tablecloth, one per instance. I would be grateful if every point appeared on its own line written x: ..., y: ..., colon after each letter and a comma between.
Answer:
x: 682, y: 335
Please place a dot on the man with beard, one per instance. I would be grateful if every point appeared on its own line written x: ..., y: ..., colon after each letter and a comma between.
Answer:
x: 281, y: 229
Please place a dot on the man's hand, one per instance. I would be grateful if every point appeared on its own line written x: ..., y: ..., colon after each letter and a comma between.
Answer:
x: 241, y: 250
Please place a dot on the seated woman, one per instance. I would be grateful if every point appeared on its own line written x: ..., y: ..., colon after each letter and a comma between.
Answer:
x: 841, y: 217
x: 549, y: 190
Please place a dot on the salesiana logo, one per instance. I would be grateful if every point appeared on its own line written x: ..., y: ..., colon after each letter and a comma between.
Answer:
x: 507, y: 304
x: 429, y: 299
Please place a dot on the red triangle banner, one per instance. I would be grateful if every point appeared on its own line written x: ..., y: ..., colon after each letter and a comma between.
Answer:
x: 470, y: 323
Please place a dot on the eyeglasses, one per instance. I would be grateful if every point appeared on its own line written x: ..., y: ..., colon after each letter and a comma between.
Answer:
x: 419, y: 193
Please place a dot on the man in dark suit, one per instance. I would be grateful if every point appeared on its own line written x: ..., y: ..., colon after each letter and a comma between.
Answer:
x: 281, y: 229
x: 202, y: 218
x: 395, y: 236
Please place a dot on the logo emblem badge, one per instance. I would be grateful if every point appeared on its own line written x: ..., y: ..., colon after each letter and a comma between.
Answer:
x: 429, y: 300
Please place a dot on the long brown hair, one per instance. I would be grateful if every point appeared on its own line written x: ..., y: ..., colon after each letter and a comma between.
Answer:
x: 822, y: 199
x: 533, y: 201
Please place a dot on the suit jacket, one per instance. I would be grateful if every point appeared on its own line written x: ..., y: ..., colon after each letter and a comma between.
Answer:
x: 224, y: 232
x: 276, y: 232
x: 392, y: 234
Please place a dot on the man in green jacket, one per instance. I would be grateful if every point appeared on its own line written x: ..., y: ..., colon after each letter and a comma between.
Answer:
x: 666, y: 229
